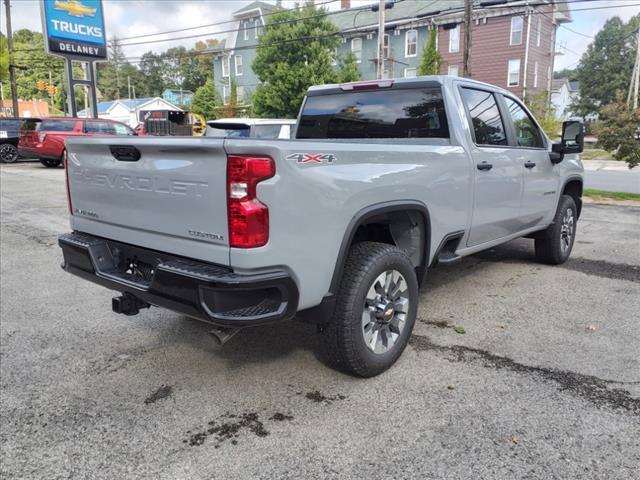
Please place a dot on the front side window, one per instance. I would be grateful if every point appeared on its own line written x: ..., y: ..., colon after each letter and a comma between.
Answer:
x: 401, y: 113
x: 225, y: 66
x: 516, y: 31
x: 411, y: 43
x: 238, y: 65
x: 103, y: 128
x: 121, y: 129
x: 356, y: 48
x: 454, y: 39
x: 488, y: 127
x: 527, y: 132
x: 513, y: 78
x: 453, y: 70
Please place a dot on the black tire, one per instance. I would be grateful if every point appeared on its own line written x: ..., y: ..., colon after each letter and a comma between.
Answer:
x: 554, y: 245
x: 8, y: 153
x: 343, y: 338
x: 51, y: 162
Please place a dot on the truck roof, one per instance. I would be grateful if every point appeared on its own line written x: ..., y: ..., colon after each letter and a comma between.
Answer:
x: 425, y: 81
x: 252, y: 121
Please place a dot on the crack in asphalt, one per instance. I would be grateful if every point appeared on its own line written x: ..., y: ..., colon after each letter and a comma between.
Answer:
x: 593, y: 389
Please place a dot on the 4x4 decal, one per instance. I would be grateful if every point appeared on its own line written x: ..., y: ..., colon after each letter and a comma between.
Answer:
x: 312, y: 157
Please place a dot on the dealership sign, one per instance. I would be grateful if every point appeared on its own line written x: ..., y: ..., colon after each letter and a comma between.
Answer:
x: 75, y: 28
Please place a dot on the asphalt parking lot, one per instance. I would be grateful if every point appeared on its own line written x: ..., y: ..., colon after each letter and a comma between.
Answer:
x: 544, y: 383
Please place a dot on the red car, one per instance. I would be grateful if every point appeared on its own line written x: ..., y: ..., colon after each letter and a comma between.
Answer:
x: 43, y: 138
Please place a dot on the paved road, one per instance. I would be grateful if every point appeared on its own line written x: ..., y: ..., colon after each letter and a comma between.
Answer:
x: 545, y: 383
x: 613, y: 181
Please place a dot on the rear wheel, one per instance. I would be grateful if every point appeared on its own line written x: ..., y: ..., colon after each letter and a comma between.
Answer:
x: 375, y: 311
x: 556, y: 242
x: 8, y: 153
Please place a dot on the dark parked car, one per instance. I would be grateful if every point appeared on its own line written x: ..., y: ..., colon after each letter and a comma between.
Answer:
x: 9, y: 136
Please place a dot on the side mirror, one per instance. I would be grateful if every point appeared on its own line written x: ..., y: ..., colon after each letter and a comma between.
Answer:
x: 572, y: 141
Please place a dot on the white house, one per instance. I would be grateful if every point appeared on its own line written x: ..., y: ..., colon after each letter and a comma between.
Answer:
x: 563, y: 93
x: 129, y: 111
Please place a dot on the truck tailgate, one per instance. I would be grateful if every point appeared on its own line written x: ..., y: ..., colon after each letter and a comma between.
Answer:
x: 172, y: 198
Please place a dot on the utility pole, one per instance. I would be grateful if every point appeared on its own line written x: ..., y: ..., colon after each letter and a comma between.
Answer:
x: 12, y: 68
x: 381, y: 58
x: 466, y: 59
x: 128, y: 86
x: 634, y: 86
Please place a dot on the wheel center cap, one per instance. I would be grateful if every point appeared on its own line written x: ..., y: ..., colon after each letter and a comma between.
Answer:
x: 386, y: 312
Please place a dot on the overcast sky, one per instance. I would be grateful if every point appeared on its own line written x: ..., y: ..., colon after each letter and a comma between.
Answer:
x: 126, y: 18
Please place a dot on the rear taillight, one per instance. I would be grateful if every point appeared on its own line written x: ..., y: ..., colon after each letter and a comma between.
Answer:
x: 41, y: 136
x: 248, y: 217
x: 65, y: 164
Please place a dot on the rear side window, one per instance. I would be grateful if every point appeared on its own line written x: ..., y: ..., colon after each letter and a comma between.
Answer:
x: 488, y: 126
x: 58, y: 125
x: 10, y: 125
x: 266, y: 131
x: 31, y: 126
x: 104, y: 128
x: 402, y: 113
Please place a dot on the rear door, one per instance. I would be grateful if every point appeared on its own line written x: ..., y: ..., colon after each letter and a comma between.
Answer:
x: 172, y: 198
x: 539, y: 177
x: 29, y: 132
x: 498, y: 178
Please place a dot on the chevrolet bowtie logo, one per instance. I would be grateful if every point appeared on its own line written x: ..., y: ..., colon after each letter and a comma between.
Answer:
x: 75, y: 8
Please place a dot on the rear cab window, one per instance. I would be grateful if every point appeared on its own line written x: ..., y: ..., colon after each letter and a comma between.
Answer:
x: 31, y: 125
x: 232, y: 130
x: 415, y: 112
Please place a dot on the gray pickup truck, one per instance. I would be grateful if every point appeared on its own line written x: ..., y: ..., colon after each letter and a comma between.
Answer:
x: 338, y: 226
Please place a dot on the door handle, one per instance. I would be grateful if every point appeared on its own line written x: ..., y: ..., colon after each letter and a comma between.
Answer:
x: 484, y: 166
x: 529, y: 164
x: 125, y: 153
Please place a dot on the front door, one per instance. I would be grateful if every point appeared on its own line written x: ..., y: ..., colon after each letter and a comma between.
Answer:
x: 541, y: 179
x: 498, y: 177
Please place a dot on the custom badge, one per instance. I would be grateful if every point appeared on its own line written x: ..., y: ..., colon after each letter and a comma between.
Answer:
x: 312, y: 157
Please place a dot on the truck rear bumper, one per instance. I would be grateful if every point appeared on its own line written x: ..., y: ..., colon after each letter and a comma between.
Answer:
x: 205, y: 291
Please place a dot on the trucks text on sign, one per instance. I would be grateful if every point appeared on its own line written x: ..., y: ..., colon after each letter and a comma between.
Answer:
x: 75, y: 28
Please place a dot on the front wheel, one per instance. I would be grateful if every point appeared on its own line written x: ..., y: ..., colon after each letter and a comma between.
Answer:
x: 375, y: 310
x: 556, y: 242
x: 8, y: 153
x: 50, y: 162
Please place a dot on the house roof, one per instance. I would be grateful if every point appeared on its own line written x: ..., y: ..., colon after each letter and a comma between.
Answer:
x: 557, y: 83
x: 572, y: 85
x: 263, y: 6
x: 177, y: 91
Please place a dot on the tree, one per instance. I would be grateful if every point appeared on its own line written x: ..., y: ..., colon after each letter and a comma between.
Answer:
x: 151, y: 68
x: 605, y: 68
x: 4, y: 60
x: 196, y: 68
x: 568, y: 73
x: 431, y: 60
x: 619, y: 132
x: 111, y: 81
x: 291, y: 57
x: 205, y: 100
x: 348, y: 68
x: 544, y: 113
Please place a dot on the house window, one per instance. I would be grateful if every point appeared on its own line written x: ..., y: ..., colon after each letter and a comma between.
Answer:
x: 246, y: 30
x: 535, y: 75
x: 454, y: 39
x: 453, y: 70
x: 356, y: 48
x: 240, y: 94
x: 539, y: 32
x: 257, y: 25
x: 410, y: 72
x: 513, y: 78
x: 226, y: 93
x: 516, y: 31
x: 411, y: 43
x: 238, y: 65
x: 225, y: 66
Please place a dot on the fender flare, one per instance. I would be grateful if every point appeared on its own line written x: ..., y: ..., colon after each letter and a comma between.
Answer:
x: 569, y: 179
x: 371, y: 211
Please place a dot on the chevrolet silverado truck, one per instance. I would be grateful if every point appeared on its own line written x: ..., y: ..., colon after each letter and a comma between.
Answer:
x: 338, y: 226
